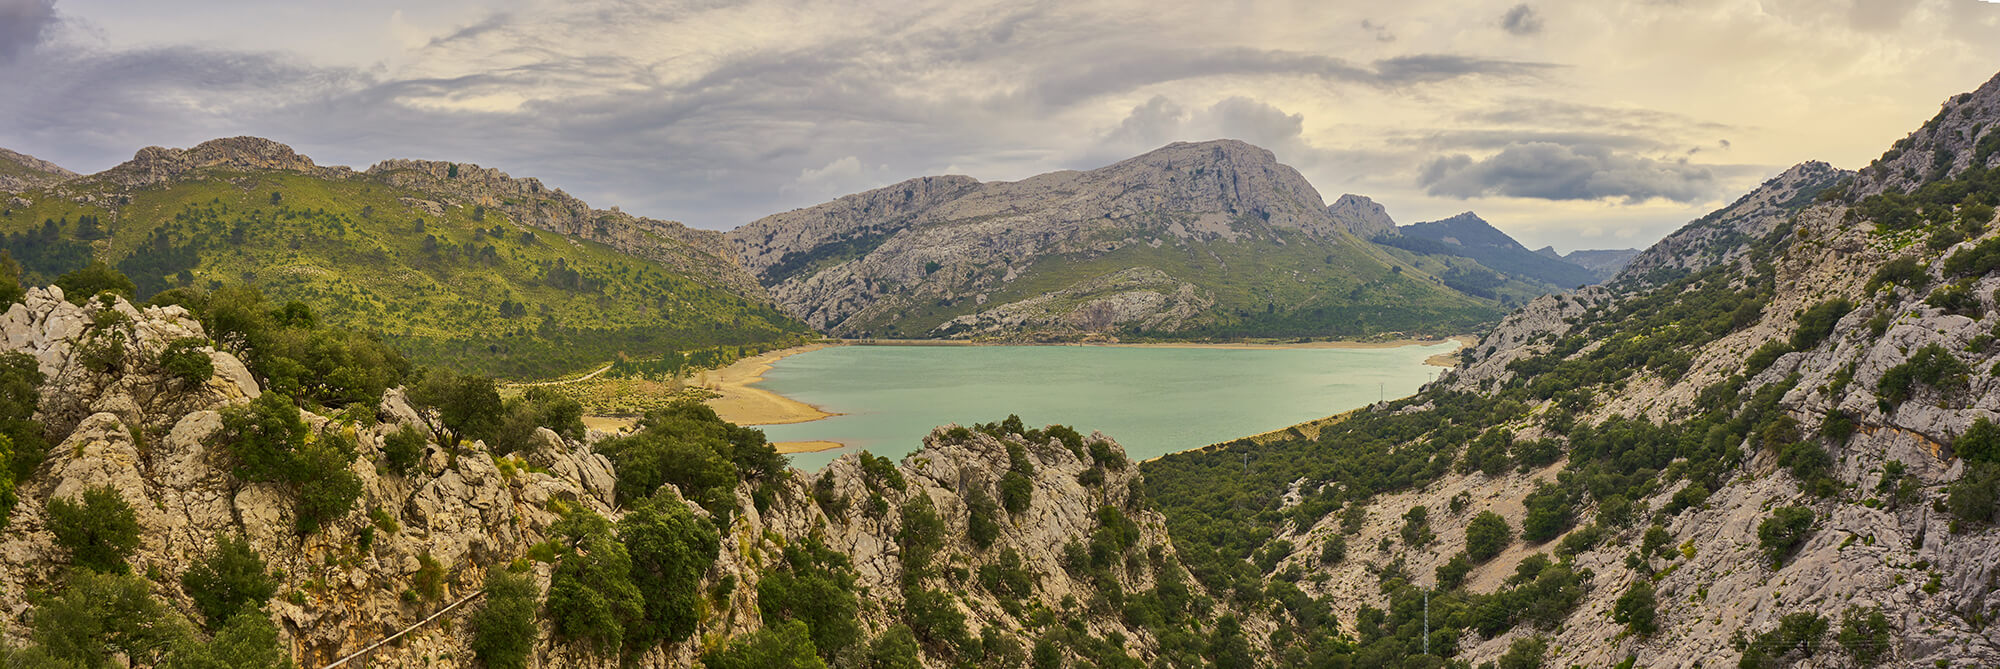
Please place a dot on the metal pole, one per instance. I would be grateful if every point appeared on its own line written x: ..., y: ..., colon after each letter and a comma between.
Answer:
x: 1427, y: 622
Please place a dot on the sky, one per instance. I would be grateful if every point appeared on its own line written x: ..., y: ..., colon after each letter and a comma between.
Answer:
x: 1588, y: 124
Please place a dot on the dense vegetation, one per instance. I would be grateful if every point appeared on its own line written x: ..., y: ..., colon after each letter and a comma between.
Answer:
x: 461, y: 287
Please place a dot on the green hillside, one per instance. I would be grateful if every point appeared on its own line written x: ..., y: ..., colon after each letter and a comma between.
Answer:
x: 467, y: 287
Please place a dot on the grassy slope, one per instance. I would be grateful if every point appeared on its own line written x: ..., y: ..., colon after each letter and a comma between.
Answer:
x: 372, y: 272
x: 1262, y: 288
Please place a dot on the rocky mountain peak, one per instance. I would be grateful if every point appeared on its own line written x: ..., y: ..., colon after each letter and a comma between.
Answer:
x: 20, y: 171
x: 1361, y: 216
x: 1224, y: 176
x: 1959, y: 136
x: 155, y: 164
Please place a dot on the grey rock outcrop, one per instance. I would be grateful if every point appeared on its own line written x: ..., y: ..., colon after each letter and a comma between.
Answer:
x: 1361, y: 216
x: 20, y: 172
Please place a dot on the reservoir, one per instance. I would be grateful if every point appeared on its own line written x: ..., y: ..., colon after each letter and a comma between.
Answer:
x: 1152, y: 400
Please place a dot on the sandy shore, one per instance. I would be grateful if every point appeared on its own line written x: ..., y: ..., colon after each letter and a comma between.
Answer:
x: 742, y: 403
x: 789, y: 447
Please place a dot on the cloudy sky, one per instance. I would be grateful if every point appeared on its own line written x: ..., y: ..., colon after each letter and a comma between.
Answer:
x: 1586, y: 124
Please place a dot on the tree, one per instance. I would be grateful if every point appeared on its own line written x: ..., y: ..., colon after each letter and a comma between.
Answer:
x: 99, y: 533
x: 1783, y: 532
x: 1636, y: 608
x: 815, y: 586
x: 81, y: 285
x: 1416, y: 530
x: 186, y: 363
x: 98, y: 616
x: 1525, y: 653
x: 591, y: 596
x: 1486, y: 536
x: 232, y: 579
x: 247, y: 641
x: 896, y: 649
x: 670, y: 549
x: 467, y: 407
x: 403, y: 449
x: 784, y: 646
x: 269, y: 443
x: 21, y: 442
x: 1865, y: 634
x: 503, y: 630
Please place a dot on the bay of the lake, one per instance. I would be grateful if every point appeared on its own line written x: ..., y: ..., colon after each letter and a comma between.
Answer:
x: 1151, y: 400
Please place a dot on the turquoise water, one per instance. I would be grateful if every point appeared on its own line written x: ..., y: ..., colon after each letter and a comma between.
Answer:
x: 1153, y: 401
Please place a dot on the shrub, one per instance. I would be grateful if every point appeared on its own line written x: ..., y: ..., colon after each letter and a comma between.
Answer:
x: 185, y: 362
x: 1486, y: 536
x: 1980, y: 443
x: 503, y: 630
x: 982, y: 525
x: 1975, y: 496
x: 815, y: 585
x: 1524, y: 653
x: 467, y: 407
x: 1766, y: 355
x: 1931, y: 365
x: 1817, y: 322
x: 1797, y: 634
x: 247, y: 640
x: 1016, y: 492
x: 1903, y: 271
x: 403, y: 449
x: 1452, y: 573
x: 85, y: 283
x: 99, y: 532
x: 592, y: 599
x: 670, y: 549
x: 1416, y: 530
x: 1865, y: 634
x: 782, y: 646
x: 97, y: 617
x: 1551, y: 511
x: 1334, y: 550
x: 1784, y: 531
x: 231, y: 580
x: 1636, y: 608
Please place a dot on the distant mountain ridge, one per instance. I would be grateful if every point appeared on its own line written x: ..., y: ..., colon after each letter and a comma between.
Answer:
x: 1209, y: 239
x: 453, y: 262
x: 19, y: 171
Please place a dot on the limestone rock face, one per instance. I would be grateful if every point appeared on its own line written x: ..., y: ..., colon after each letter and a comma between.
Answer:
x: 20, y: 172
x: 154, y: 164
x: 1361, y: 216
x: 1003, y: 257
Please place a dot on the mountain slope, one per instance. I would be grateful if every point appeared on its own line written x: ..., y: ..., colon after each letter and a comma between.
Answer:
x: 1602, y: 263
x: 19, y: 172
x: 1768, y: 443
x: 454, y: 263
x: 1215, y: 239
x: 1470, y: 236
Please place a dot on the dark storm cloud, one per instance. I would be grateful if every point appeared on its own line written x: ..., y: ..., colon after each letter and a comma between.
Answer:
x: 1521, y: 20
x: 23, y: 23
x: 1551, y: 171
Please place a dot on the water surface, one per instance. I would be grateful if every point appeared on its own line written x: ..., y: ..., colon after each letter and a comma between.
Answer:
x: 1153, y: 401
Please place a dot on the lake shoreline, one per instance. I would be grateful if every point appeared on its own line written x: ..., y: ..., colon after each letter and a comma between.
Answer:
x: 740, y: 400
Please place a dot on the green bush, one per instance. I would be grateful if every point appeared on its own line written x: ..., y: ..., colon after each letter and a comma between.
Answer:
x: 1765, y: 356
x: 1637, y: 608
x: 85, y: 283
x: 403, y: 450
x: 1797, y: 635
x: 185, y: 362
x: 1865, y: 634
x: 1452, y: 573
x: 783, y: 646
x: 99, y: 532
x: 1486, y: 536
x: 1931, y: 365
x: 1524, y: 653
x: 247, y: 640
x: 982, y: 523
x: 231, y: 580
x: 1980, y: 443
x: 97, y: 617
x: 20, y: 393
x: 269, y: 442
x: 687, y: 445
x: 503, y: 629
x: 1817, y: 322
x: 1416, y: 530
x: 1905, y: 271
x: 592, y: 599
x: 670, y: 550
x: 1784, y: 531
x: 1551, y: 511
x: 814, y: 585
x: 1975, y: 496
